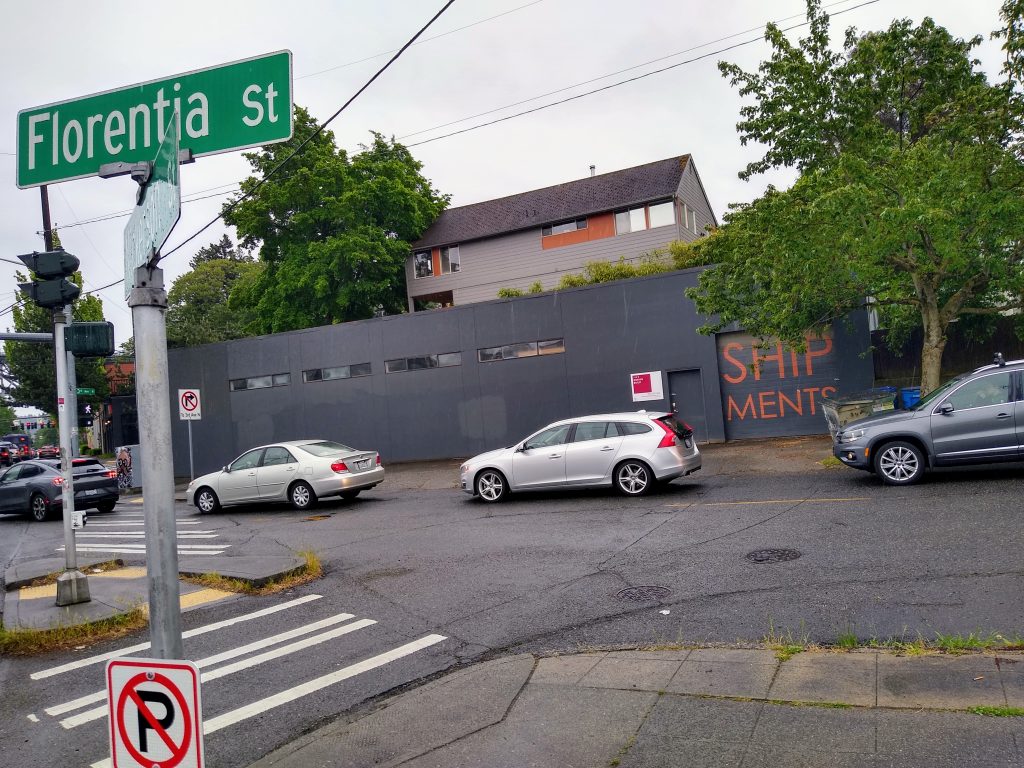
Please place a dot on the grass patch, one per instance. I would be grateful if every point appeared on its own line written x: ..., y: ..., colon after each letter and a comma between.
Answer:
x: 26, y: 642
x: 785, y: 644
x: 310, y: 570
x: 847, y: 640
x: 51, y: 578
x: 830, y: 462
x: 822, y: 704
x: 976, y: 641
x: 997, y: 711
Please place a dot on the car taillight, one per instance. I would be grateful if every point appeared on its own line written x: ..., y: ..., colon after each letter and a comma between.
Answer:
x: 668, y: 440
x: 378, y: 459
x: 110, y: 473
x: 339, y: 466
x: 57, y: 481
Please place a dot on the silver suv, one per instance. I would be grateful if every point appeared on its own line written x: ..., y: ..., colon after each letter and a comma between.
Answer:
x: 975, y: 418
x: 630, y: 451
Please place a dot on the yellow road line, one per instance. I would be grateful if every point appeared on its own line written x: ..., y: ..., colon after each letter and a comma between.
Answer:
x: 766, y: 501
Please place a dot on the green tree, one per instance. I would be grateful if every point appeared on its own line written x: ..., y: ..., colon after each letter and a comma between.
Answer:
x: 223, y: 249
x: 197, y: 304
x: 909, y: 194
x: 333, y: 232
x: 7, y: 417
x: 32, y: 365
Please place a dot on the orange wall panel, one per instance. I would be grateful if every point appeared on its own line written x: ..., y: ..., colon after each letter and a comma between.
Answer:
x: 600, y: 226
x: 436, y: 258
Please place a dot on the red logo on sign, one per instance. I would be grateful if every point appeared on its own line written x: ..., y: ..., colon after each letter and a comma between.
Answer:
x: 642, y: 383
x: 148, y: 720
x: 189, y: 401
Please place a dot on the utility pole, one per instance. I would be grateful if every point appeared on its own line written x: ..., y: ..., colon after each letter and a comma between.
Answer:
x: 148, y: 302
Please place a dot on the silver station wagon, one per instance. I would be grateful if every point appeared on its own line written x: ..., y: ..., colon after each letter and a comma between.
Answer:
x: 629, y: 451
x: 296, y: 471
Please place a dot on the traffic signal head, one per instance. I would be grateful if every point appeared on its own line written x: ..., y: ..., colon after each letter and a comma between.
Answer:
x: 51, y: 289
x: 89, y: 339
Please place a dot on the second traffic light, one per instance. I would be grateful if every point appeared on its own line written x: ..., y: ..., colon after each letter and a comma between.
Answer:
x: 51, y: 289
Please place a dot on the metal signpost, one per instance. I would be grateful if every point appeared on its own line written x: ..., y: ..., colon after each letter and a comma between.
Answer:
x: 220, y: 109
x: 190, y: 408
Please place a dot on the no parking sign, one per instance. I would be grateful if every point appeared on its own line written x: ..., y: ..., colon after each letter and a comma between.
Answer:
x: 155, y: 714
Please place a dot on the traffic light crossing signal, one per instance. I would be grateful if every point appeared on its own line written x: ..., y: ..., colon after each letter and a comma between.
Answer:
x: 90, y: 339
x: 85, y: 413
x: 51, y: 289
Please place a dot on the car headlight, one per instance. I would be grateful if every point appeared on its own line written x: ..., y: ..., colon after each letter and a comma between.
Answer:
x: 851, y: 435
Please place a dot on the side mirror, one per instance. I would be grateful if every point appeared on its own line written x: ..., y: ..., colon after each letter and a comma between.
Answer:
x: 225, y: 468
x: 521, y: 448
x: 946, y: 408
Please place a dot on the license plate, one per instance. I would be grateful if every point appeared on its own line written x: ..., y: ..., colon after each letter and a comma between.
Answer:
x: 91, y: 492
x: 362, y: 464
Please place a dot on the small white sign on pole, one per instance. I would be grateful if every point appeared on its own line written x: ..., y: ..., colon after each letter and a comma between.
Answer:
x: 189, y: 405
x: 646, y: 386
x: 155, y: 711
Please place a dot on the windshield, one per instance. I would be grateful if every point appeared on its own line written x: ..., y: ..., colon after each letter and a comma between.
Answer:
x: 938, y: 393
x: 325, y: 448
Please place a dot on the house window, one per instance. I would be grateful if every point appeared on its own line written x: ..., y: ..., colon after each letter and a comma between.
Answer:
x: 662, y: 214
x: 261, y: 382
x: 565, y: 226
x: 423, y: 264
x: 521, y: 349
x: 337, y: 372
x: 423, y: 362
x: 636, y: 219
x: 450, y: 260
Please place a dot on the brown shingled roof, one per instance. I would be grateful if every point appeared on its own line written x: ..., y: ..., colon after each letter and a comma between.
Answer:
x: 583, y: 197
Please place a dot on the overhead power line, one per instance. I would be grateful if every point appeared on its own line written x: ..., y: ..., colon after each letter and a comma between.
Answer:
x: 317, y: 132
x: 621, y: 82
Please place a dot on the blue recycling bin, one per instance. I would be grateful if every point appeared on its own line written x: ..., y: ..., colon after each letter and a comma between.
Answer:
x: 909, y: 396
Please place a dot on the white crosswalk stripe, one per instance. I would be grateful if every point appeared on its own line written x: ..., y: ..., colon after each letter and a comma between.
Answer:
x: 126, y: 536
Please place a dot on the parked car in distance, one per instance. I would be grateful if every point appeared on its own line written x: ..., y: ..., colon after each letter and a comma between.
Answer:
x: 975, y: 418
x: 297, y: 471
x: 8, y: 451
x: 48, y: 452
x: 23, y: 443
x: 35, y: 487
x: 628, y: 451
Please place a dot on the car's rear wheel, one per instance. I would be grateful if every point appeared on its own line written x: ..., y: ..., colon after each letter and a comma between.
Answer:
x: 106, y: 506
x: 207, y: 501
x: 633, y: 478
x: 301, y: 496
x: 899, y: 463
x: 350, y: 494
x: 38, y: 507
x: 491, y: 486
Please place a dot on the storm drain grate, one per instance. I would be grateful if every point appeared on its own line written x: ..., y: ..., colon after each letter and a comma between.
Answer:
x: 644, y: 594
x: 772, y: 555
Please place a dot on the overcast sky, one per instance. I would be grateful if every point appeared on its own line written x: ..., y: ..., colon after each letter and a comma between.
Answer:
x: 53, y: 51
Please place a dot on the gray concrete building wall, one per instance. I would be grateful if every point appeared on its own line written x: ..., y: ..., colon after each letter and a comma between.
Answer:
x: 610, y: 331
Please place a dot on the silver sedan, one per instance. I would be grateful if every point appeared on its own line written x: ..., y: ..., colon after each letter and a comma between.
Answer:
x: 296, y: 471
x: 629, y: 451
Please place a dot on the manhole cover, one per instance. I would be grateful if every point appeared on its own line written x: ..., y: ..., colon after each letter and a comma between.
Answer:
x: 645, y: 594
x: 772, y: 555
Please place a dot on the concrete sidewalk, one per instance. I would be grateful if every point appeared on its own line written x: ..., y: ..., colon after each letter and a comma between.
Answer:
x: 690, y: 708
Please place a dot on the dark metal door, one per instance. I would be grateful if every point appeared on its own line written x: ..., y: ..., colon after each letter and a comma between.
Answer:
x: 686, y: 396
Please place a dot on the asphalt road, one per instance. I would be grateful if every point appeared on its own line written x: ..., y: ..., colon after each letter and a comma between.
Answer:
x: 544, y: 573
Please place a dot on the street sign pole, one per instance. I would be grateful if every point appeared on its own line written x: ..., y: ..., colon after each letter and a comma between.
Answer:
x: 191, y: 467
x: 148, y: 301
x: 72, y: 585
x: 72, y: 396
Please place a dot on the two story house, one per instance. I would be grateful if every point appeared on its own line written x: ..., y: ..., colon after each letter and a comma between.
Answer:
x: 470, y: 252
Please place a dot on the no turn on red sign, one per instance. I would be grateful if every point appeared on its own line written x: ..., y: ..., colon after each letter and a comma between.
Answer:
x: 155, y: 714
x: 190, y: 407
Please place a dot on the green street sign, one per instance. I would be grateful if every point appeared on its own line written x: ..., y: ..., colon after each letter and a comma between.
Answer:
x: 157, y: 212
x: 85, y: 391
x: 220, y: 109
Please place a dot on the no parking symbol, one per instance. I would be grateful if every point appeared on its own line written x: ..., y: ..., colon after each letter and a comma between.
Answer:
x: 155, y: 714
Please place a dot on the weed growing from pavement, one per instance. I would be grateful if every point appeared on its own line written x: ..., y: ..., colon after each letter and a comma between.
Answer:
x: 847, y: 640
x: 831, y: 462
x: 25, y: 642
x: 997, y: 711
x: 310, y: 570
x: 785, y: 645
x: 976, y: 641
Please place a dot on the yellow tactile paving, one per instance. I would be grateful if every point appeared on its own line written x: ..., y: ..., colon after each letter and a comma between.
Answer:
x: 34, y: 593
x: 188, y: 600
x: 202, y: 596
x: 120, y: 573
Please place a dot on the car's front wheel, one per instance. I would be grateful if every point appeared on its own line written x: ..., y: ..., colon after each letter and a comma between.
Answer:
x: 207, y: 501
x: 301, y: 496
x: 899, y: 463
x: 491, y: 486
x: 38, y: 507
x: 633, y: 478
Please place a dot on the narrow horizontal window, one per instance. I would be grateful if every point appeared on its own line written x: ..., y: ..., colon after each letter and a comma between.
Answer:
x: 423, y: 362
x: 315, y: 374
x: 662, y: 214
x: 360, y: 369
x: 565, y: 226
x: 394, y: 366
x: 282, y: 379
x: 520, y: 349
x: 449, y: 359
